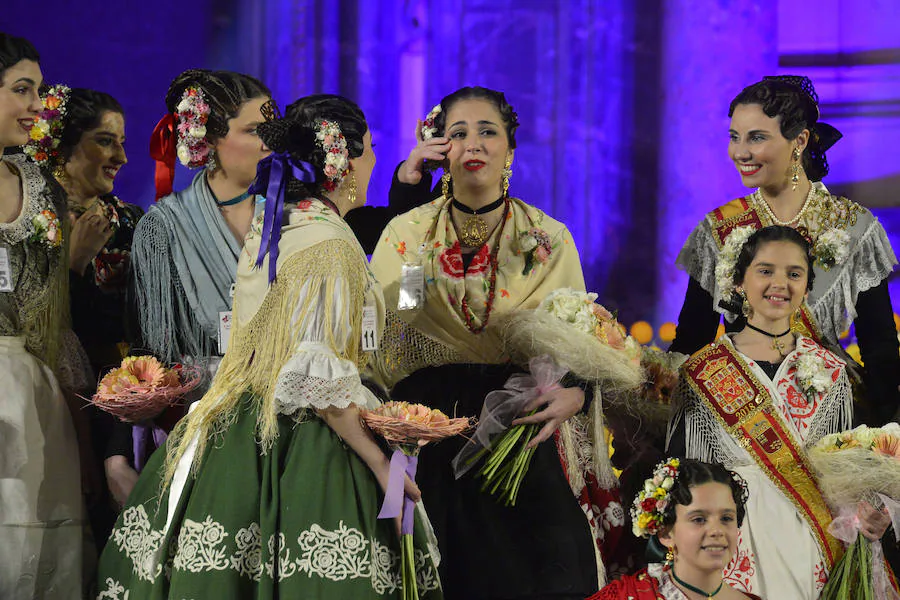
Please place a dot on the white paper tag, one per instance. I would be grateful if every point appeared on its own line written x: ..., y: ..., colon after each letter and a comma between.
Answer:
x: 224, y: 330
x: 5, y: 271
x: 412, y: 287
x: 369, y: 329
x: 231, y: 291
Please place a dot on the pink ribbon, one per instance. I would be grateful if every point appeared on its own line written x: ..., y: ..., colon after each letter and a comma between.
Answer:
x: 845, y: 527
x: 395, y: 499
x: 501, y: 407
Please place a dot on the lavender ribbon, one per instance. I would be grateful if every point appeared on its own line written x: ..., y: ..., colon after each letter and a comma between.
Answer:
x: 140, y: 436
x: 271, y: 179
x: 395, y: 499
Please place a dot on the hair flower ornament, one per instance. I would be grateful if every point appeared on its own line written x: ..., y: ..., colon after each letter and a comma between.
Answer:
x: 728, y: 256
x: 337, y: 157
x: 651, y: 502
x: 429, y: 130
x: 43, y: 147
x: 192, y: 113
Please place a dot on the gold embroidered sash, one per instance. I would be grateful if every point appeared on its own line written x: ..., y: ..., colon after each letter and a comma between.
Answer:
x: 744, y: 408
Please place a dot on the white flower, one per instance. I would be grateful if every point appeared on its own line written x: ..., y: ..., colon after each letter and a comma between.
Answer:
x: 832, y: 247
x: 198, y: 131
x: 812, y: 374
x: 667, y: 483
x: 184, y: 154
x: 184, y: 105
x: 728, y: 256
x: 527, y: 242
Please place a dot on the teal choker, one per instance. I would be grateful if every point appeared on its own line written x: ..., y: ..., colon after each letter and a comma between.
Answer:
x: 696, y: 590
x: 233, y: 201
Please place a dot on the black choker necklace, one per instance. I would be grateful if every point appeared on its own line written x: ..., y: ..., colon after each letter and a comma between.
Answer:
x: 776, y: 343
x: 475, y: 231
x: 233, y: 201
x: 697, y: 590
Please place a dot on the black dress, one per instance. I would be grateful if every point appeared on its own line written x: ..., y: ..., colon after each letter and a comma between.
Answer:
x: 541, y: 548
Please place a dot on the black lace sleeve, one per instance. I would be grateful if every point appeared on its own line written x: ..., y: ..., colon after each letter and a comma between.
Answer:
x: 880, y: 352
x: 697, y: 322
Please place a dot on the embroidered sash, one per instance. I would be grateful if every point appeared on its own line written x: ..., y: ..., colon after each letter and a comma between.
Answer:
x: 740, y: 213
x: 743, y: 406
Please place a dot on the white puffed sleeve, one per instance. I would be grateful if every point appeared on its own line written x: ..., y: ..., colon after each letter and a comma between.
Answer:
x: 315, y: 376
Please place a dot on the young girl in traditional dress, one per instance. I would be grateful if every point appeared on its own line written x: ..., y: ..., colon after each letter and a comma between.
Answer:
x: 694, y: 509
x: 755, y: 400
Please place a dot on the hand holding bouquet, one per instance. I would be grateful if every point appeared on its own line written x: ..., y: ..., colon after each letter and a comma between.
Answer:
x: 408, y: 427
x: 856, y: 467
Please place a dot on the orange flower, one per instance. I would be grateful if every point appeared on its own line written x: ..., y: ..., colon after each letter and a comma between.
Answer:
x: 401, y: 248
x: 146, y: 369
x: 887, y: 445
x: 117, y: 381
x: 504, y: 293
x: 51, y: 102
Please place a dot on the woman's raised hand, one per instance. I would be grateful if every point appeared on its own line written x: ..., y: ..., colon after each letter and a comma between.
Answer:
x: 562, y: 404
x: 435, y: 149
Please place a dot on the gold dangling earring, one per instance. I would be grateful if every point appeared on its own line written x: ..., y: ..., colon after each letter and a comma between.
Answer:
x: 351, y: 192
x: 746, y: 309
x: 59, y: 172
x: 670, y: 556
x: 507, y: 173
x: 795, y: 170
x: 445, y: 184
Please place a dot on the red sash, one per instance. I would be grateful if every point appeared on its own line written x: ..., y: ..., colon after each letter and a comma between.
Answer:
x: 743, y: 406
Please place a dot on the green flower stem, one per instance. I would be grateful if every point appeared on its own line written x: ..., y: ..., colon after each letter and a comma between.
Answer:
x: 851, y: 577
x: 506, y: 466
x: 408, y: 568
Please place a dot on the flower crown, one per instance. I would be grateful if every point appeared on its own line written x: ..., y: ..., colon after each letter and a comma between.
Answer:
x: 192, y: 113
x: 337, y: 157
x: 43, y: 147
x: 651, y: 502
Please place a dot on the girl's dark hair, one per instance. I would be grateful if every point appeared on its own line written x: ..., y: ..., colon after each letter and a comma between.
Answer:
x: 498, y: 99
x: 773, y: 233
x: 14, y: 50
x: 792, y: 99
x: 296, y: 134
x: 224, y: 91
x: 692, y: 473
x: 84, y: 110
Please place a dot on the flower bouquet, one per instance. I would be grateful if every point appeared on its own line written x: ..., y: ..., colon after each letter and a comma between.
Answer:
x: 408, y: 427
x: 567, y: 333
x: 857, y: 465
x: 138, y: 390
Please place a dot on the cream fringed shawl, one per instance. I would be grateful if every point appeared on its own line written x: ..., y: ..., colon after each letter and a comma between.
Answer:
x: 317, y: 252
x: 437, y: 333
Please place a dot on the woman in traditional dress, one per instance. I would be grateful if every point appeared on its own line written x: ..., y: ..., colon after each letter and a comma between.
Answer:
x: 694, y: 510
x: 41, y: 508
x: 451, y: 270
x: 272, y: 485
x: 778, y: 146
x: 755, y: 400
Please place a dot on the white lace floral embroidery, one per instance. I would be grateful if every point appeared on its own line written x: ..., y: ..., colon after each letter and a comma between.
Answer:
x: 295, y: 390
x: 247, y: 559
x: 139, y: 542
x: 114, y: 591
x: 200, y: 547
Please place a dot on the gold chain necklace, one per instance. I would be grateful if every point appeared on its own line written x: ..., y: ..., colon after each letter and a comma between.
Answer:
x: 771, y: 214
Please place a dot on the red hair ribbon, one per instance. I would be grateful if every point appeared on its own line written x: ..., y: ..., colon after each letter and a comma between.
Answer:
x: 162, y: 150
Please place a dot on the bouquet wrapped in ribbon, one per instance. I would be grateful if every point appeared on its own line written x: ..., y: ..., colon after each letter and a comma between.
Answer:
x: 407, y: 427
x: 567, y: 333
x: 854, y: 466
x: 139, y: 390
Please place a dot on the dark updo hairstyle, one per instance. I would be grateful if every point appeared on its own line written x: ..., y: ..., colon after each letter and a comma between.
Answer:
x: 773, y: 233
x: 14, y: 50
x: 225, y: 92
x: 84, y: 110
x: 794, y: 100
x: 498, y: 99
x: 296, y: 134
x: 693, y: 473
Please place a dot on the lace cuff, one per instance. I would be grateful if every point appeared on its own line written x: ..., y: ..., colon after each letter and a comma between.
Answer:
x: 315, y: 378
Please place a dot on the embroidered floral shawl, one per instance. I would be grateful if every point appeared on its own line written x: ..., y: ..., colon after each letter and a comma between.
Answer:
x: 437, y: 333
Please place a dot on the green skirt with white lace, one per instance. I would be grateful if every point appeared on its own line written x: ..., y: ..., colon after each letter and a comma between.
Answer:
x: 297, y: 522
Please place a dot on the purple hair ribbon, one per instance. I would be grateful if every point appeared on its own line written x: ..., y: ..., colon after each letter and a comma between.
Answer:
x: 271, y: 180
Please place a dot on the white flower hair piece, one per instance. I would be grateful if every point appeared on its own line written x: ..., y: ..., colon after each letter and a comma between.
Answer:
x: 428, y: 128
x: 728, y: 256
x: 337, y: 157
x: 812, y: 375
x: 832, y: 248
x: 192, y: 112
